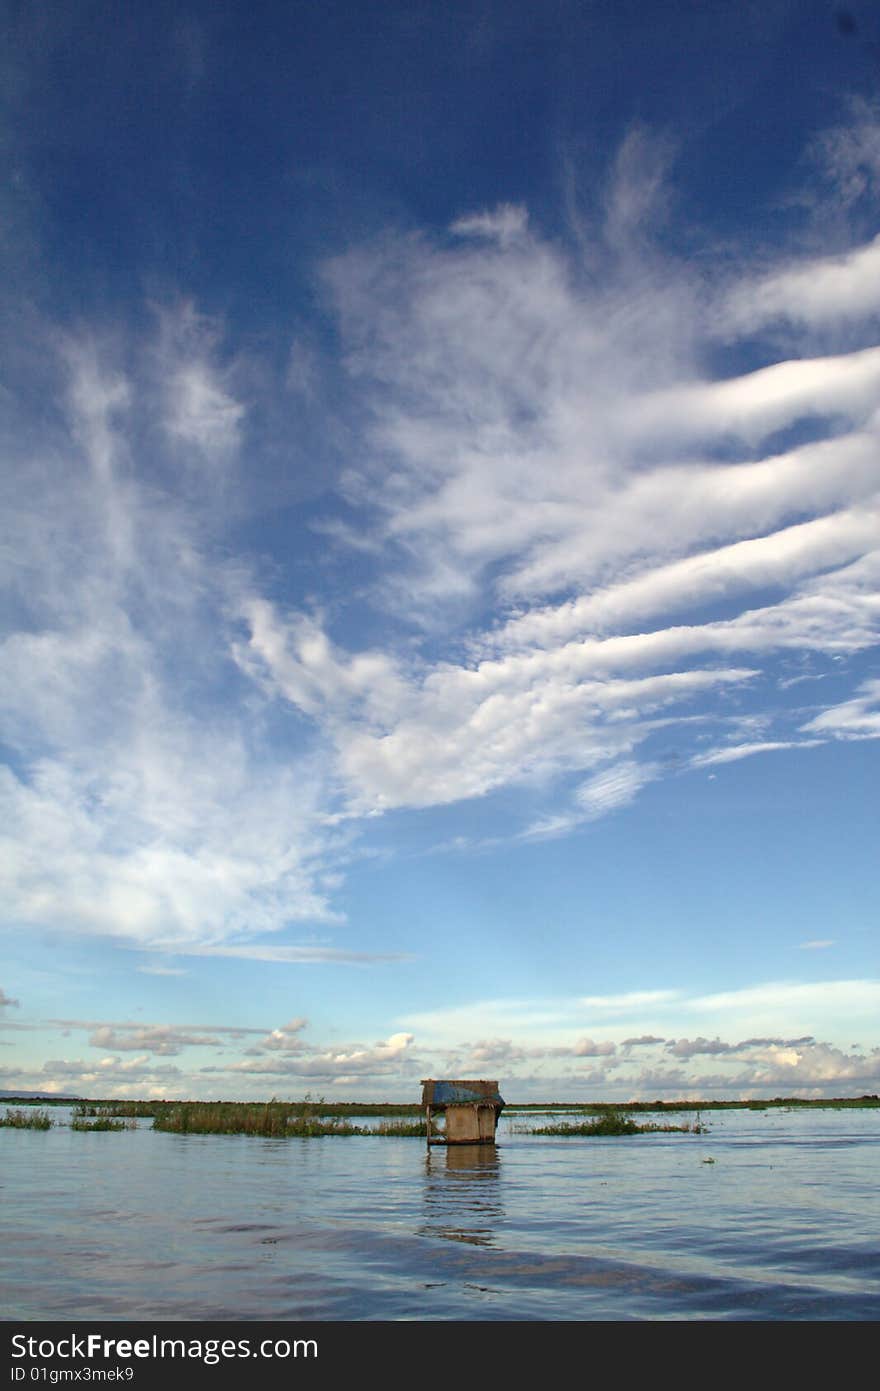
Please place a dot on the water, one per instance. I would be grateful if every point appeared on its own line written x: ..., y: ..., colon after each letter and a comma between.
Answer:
x: 142, y: 1225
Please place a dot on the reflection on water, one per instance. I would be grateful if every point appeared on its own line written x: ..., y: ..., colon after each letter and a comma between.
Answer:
x: 462, y: 1195
x: 145, y: 1225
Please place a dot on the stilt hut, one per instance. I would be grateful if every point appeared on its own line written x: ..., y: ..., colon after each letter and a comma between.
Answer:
x: 471, y: 1109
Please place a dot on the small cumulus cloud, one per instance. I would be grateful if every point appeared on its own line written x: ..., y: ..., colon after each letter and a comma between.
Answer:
x: 382, y: 1059
x: 589, y: 1048
x: 164, y: 1040
x: 496, y: 1050
x: 158, y: 1039
x: 691, y: 1048
x: 283, y: 1040
x: 108, y: 1070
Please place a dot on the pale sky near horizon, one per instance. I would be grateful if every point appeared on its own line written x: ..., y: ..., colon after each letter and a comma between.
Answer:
x: 441, y: 543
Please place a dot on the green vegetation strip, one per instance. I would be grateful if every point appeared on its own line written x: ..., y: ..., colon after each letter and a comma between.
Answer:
x: 315, y: 1116
x: 839, y: 1103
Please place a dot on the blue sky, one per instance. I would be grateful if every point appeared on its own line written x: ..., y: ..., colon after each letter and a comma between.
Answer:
x: 441, y: 542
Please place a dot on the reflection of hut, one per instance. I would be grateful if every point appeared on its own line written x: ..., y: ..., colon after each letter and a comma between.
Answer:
x: 471, y: 1108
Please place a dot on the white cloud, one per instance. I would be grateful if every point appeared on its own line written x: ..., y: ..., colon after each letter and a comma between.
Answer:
x: 284, y: 1040
x: 771, y: 1014
x: 817, y: 1068
x: 142, y: 805
x: 201, y: 412
x: 573, y: 535
x: 590, y: 1048
x: 453, y: 731
x: 533, y: 1023
x: 503, y: 223
x: 754, y: 405
x: 780, y: 558
x: 698, y: 1047
x: 819, y: 291
x: 613, y: 788
x: 734, y: 752
x: 536, y: 434
x: 110, y: 1076
x: 382, y: 1059
x: 630, y: 1002
x: 858, y: 718
x: 526, y: 443
x: 290, y: 956
x: 160, y: 1039
x: 848, y: 159
x: 835, y: 1008
x: 200, y: 408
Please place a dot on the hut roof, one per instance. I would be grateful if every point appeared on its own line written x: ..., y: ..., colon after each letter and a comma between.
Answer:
x: 459, y: 1093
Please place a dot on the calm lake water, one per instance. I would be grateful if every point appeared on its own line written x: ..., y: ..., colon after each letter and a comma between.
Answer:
x: 140, y: 1225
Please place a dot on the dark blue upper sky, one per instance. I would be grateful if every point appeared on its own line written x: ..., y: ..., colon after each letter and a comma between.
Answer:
x: 225, y: 148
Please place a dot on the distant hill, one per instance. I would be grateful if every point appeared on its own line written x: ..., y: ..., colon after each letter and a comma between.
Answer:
x: 35, y: 1096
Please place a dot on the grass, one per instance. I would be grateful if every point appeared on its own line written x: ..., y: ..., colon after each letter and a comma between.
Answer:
x: 26, y: 1120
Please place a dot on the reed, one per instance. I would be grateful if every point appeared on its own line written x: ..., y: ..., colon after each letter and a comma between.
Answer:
x: 400, y: 1128
x: 612, y: 1122
x: 272, y: 1118
x: 102, y: 1123
x: 144, y: 1109
x: 306, y: 1109
x: 280, y: 1119
x: 26, y: 1119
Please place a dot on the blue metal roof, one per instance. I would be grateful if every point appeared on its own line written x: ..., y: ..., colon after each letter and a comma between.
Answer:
x: 463, y: 1094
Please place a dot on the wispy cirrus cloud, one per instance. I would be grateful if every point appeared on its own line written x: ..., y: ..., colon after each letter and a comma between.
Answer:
x: 858, y: 718
x: 144, y: 803
x: 819, y: 291
x: 530, y: 429
x: 734, y: 752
